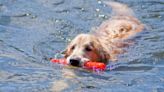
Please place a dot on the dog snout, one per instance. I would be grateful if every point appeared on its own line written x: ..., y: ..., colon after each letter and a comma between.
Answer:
x: 75, y: 61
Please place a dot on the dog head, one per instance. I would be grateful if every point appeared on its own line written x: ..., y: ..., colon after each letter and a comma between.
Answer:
x: 85, y: 47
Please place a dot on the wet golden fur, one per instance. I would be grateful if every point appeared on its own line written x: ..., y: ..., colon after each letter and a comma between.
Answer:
x: 107, y: 40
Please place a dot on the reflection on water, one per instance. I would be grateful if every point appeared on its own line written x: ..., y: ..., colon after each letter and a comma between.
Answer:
x: 31, y: 31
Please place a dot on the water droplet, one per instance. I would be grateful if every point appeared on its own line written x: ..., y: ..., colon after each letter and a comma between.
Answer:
x: 82, y: 9
x: 102, y: 16
x: 27, y: 14
x: 99, y: 2
x: 97, y: 10
x: 68, y: 40
x: 34, y: 16
x: 56, y: 20
x: 159, y: 16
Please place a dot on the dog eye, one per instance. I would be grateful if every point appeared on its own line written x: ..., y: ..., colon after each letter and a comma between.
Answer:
x: 88, y: 48
x: 73, y: 47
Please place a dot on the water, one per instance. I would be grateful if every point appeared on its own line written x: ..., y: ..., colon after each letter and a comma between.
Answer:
x: 31, y: 31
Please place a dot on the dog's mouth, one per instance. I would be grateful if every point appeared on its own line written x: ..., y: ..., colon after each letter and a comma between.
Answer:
x: 78, y: 62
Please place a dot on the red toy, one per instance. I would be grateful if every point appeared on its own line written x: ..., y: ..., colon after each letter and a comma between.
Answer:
x: 88, y: 65
x: 60, y: 61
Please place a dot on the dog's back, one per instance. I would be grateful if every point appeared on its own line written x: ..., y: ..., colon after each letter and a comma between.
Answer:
x: 123, y: 24
x: 114, y: 32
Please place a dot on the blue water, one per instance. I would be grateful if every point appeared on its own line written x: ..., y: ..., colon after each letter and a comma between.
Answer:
x: 31, y: 31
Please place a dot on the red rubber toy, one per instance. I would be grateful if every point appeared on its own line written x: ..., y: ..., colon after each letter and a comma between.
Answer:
x: 59, y: 61
x: 88, y: 65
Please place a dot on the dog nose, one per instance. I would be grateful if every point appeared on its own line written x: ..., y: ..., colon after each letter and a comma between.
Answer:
x: 75, y: 62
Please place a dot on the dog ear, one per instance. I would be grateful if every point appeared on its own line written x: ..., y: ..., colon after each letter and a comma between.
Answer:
x: 66, y: 52
x: 103, y: 54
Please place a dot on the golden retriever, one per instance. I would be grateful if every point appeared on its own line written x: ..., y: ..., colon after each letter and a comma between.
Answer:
x: 107, y: 40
